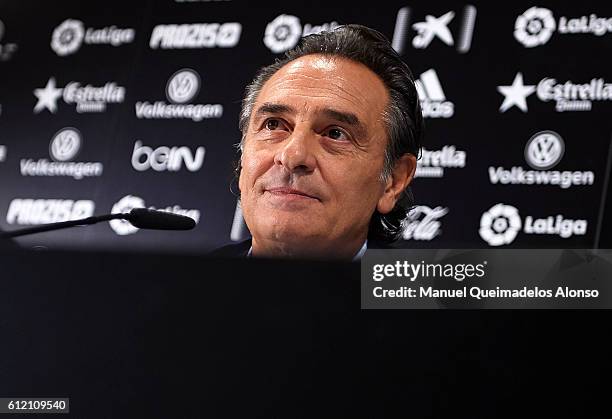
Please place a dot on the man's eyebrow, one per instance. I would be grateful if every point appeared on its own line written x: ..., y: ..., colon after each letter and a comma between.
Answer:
x: 273, y: 108
x: 269, y: 108
x: 346, y: 117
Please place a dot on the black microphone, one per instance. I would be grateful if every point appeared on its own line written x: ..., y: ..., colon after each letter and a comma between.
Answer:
x: 159, y: 220
x: 138, y: 217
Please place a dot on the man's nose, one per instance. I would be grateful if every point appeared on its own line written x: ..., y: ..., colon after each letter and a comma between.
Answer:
x: 297, y: 151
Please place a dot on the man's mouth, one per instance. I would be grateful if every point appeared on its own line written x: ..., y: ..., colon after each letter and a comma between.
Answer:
x: 289, y: 193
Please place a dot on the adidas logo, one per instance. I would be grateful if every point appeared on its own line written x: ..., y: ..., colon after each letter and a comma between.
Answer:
x: 433, y: 99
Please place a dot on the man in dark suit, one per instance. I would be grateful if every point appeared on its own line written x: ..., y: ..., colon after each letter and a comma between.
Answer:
x: 330, y: 137
x: 244, y: 249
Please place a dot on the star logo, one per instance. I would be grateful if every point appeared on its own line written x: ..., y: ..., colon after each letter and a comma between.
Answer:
x: 515, y: 95
x: 47, y: 97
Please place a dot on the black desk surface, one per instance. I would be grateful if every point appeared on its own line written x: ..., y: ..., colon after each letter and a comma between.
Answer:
x: 185, y: 336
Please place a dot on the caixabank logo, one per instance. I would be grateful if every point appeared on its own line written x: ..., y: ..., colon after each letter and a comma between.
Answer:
x: 71, y: 34
x: 567, y: 95
x: 195, y: 35
x: 543, y: 151
x: 434, y: 29
x: 64, y: 147
x: 501, y: 224
x: 284, y: 32
x: 85, y: 97
x: 182, y: 87
x: 129, y: 202
x: 536, y: 26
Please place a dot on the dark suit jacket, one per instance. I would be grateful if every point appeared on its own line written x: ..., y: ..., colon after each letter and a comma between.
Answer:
x: 240, y: 250
x: 236, y: 250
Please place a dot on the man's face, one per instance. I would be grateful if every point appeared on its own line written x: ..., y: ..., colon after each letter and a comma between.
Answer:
x: 313, y: 155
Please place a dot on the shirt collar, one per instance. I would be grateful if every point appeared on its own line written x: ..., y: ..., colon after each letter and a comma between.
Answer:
x: 356, y: 258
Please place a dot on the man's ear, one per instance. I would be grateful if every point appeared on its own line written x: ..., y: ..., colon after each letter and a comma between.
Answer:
x: 400, y: 178
x: 239, y: 172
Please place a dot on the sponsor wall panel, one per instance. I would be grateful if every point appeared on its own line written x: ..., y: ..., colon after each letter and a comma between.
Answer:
x: 141, y: 108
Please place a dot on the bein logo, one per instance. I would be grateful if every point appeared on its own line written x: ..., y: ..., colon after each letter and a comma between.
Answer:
x: 165, y: 158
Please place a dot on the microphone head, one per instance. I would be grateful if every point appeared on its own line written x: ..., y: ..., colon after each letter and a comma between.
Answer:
x: 159, y: 220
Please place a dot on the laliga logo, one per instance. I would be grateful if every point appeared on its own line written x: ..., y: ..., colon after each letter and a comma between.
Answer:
x: 534, y: 27
x: 125, y: 204
x: 544, y: 150
x: 283, y: 33
x: 65, y: 144
x: 537, y: 24
x: 67, y: 37
x: 500, y: 225
x: 129, y: 202
x: 183, y: 86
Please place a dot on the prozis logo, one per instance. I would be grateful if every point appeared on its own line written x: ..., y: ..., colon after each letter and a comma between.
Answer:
x: 568, y: 96
x: 543, y: 151
x: 285, y: 31
x: 68, y: 37
x: 87, y: 98
x: 537, y: 24
x: 44, y: 211
x: 129, y: 202
x: 501, y: 223
x: 423, y: 223
x: 163, y: 158
x: 435, y: 29
x: 182, y: 87
x: 2, y: 153
x: 195, y: 35
x: 64, y: 146
x: 433, y: 162
x: 433, y: 99
x: 6, y: 49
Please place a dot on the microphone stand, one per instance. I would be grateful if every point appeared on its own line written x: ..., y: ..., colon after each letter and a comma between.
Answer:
x: 64, y: 224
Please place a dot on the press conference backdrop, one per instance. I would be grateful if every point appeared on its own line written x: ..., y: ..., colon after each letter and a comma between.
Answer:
x: 110, y: 105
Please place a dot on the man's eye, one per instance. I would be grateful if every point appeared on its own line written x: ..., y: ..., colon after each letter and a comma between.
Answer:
x: 272, y: 124
x: 337, y: 134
